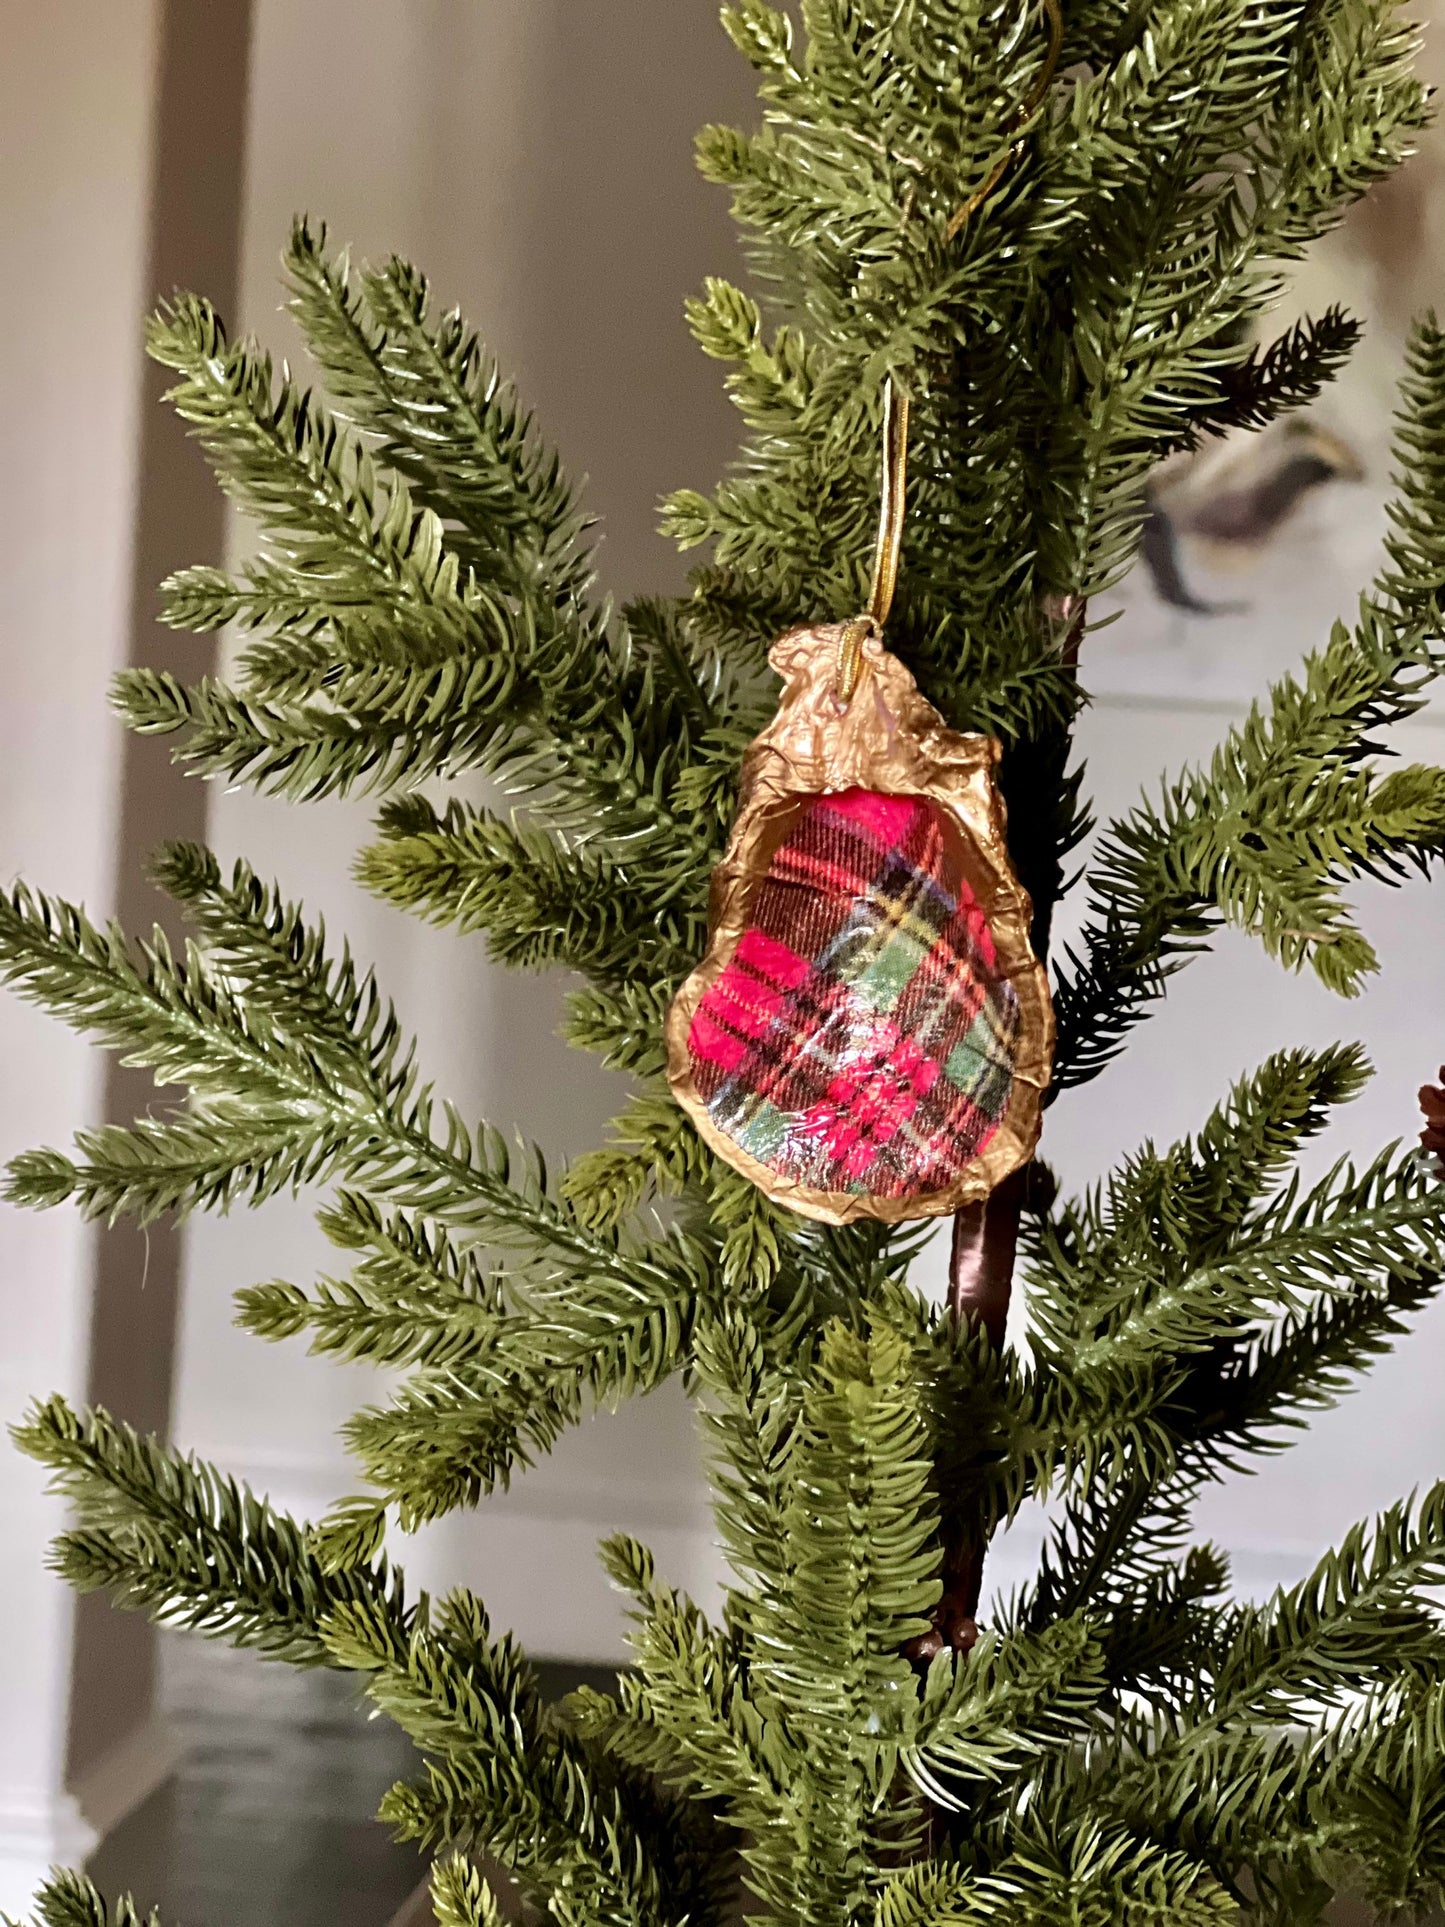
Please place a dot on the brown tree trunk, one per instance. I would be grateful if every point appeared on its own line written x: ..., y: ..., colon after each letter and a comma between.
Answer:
x: 980, y: 1285
x: 981, y: 1268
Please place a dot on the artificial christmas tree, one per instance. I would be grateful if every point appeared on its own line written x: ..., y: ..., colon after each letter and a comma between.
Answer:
x: 1057, y: 232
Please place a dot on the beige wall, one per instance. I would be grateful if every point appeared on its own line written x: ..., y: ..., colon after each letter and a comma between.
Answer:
x: 198, y: 111
x: 75, y: 126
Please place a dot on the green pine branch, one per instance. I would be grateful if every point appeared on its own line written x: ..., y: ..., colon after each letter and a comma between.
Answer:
x: 1290, y: 807
x: 692, y: 1692
x: 750, y: 1417
x: 308, y: 1040
x: 441, y: 416
x: 336, y: 1093
x: 621, y: 1025
x: 540, y: 902
x: 653, y: 1151
x: 328, y: 519
x: 1381, y: 1802
x: 70, y: 1900
x: 460, y: 1897
x: 504, y: 1778
x: 1386, y: 1219
x: 390, y: 645
x: 1291, y: 372
x: 1118, y: 1539
x: 165, y: 1534
x: 988, y: 1716
x: 1194, y: 1309
x: 1361, y: 1614
x: 1063, y: 1871
x: 1225, y: 1775
x: 416, y: 1296
x: 169, y: 1536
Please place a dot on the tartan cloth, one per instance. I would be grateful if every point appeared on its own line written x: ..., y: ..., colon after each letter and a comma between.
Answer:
x: 860, y: 1039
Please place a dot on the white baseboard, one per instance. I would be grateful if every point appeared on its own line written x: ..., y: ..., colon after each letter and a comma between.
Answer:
x: 39, y: 1833
x: 36, y: 1836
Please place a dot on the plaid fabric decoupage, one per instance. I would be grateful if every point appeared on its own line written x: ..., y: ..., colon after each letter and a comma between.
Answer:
x: 860, y: 1040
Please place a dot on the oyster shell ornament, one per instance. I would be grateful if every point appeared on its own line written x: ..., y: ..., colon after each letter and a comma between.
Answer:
x: 869, y: 1034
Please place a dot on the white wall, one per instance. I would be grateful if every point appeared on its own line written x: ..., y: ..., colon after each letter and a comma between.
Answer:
x: 74, y: 129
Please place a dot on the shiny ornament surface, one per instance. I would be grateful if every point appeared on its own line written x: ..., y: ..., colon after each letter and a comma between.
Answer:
x: 861, y: 1039
x: 869, y: 1034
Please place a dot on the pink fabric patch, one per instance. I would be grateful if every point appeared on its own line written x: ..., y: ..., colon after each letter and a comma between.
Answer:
x: 710, y: 1043
x: 770, y: 959
x: 738, y: 1000
x: 979, y: 933
x: 744, y: 1000
x: 871, y: 1099
x: 887, y: 819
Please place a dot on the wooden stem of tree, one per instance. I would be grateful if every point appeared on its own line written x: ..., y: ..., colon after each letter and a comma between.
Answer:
x: 980, y: 1280
x: 980, y: 1285
x: 981, y: 1270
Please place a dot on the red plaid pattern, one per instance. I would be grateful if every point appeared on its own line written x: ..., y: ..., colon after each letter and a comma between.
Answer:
x: 860, y: 1040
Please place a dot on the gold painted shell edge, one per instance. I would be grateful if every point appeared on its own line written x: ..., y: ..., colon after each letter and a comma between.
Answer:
x: 955, y: 772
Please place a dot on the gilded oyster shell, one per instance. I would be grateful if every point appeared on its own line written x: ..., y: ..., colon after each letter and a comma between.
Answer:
x: 869, y: 1034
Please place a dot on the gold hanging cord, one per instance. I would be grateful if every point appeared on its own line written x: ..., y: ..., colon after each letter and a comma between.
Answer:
x: 890, y: 515
x: 895, y: 404
x: 1054, y: 13
x: 890, y: 539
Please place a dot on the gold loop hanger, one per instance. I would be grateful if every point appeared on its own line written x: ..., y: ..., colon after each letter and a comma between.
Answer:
x: 893, y: 495
x: 895, y: 399
x: 890, y: 512
x: 1055, y: 17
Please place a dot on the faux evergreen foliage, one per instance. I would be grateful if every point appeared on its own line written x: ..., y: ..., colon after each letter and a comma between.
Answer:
x: 1126, y: 1743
